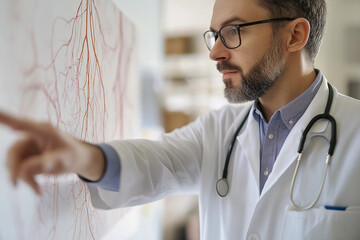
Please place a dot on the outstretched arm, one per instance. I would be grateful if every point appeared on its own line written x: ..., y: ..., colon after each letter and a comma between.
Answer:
x: 43, y: 149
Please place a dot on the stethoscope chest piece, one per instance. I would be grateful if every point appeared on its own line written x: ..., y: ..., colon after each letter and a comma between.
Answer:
x: 222, y: 187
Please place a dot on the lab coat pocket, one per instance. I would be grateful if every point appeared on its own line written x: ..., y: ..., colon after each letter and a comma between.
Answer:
x: 321, y: 223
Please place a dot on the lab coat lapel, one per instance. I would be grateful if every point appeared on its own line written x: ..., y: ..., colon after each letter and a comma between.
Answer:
x: 288, y: 153
x: 250, y: 145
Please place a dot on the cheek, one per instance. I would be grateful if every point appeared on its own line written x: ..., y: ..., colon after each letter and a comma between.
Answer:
x: 246, y: 58
x: 253, y: 47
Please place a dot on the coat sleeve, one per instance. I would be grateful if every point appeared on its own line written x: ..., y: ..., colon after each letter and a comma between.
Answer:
x: 151, y: 170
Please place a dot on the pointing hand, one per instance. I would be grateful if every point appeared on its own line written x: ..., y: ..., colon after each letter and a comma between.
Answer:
x: 44, y: 149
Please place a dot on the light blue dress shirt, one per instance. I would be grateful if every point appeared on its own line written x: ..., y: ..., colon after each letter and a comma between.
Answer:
x: 274, y: 133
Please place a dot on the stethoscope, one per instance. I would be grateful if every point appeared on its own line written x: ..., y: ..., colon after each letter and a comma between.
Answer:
x: 222, y: 185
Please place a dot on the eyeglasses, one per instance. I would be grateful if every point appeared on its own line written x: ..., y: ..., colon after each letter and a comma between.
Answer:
x: 230, y: 34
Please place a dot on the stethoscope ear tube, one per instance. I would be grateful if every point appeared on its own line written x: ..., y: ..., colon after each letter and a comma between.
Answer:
x: 326, y: 115
x: 298, y: 207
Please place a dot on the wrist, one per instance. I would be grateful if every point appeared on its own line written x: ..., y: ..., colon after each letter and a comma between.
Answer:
x: 95, y: 163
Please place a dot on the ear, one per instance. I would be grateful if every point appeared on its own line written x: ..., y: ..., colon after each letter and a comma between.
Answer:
x: 298, y: 34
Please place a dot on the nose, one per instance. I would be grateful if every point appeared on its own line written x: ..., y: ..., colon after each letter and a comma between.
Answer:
x: 219, y: 53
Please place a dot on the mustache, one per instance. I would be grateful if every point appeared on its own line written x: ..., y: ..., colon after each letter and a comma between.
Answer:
x: 221, y: 66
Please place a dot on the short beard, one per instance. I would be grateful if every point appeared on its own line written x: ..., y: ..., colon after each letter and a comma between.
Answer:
x: 260, y: 78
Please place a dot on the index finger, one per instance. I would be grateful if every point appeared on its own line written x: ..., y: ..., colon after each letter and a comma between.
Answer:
x: 22, y: 124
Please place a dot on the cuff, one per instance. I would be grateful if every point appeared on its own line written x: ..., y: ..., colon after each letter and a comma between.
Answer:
x: 111, y: 177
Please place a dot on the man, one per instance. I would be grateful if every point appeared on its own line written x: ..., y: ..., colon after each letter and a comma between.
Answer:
x: 265, y: 50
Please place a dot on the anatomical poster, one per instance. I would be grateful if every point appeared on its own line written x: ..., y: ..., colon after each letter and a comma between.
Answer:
x: 71, y: 63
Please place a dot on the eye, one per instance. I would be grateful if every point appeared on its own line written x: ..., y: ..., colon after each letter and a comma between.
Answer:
x: 229, y: 31
x: 233, y: 31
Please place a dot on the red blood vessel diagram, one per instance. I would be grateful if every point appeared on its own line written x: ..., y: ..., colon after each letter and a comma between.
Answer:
x: 71, y: 63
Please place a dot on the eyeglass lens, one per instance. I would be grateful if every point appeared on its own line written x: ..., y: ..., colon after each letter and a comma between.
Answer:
x: 210, y: 39
x: 230, y: 36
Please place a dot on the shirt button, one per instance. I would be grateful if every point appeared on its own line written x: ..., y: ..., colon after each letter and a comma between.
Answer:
x: 266, y: 172
x: 271, y: 136
x: 291, y: 122
x: 254, y: 236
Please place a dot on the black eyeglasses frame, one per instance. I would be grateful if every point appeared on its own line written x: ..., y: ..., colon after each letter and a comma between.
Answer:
x: 238, y: 26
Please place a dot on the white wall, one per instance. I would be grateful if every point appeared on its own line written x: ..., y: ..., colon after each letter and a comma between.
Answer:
x: 331, y: 59
x: 187, y: 16
x: 147, y: 17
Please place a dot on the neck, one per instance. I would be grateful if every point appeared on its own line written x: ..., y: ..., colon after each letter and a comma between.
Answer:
x: 294, y: 81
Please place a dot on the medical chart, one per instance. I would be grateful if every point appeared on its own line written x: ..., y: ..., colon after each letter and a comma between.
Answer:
x: 72, y: 63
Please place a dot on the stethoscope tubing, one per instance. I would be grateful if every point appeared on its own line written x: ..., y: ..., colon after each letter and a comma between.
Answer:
x: 326, y: 115
x: 228, y: 155
x: 222, y: 184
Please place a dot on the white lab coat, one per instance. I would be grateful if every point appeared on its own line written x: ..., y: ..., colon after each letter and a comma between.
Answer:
x: 191, y: 160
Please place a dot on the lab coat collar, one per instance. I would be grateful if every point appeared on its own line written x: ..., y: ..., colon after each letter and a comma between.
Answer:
x: 250, y: 144
x: 288, y: 153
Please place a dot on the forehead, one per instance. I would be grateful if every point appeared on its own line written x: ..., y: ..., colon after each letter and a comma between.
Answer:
x: 243, y: 10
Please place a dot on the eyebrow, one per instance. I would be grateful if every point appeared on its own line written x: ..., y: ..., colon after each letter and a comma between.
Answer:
x: 230, y: 20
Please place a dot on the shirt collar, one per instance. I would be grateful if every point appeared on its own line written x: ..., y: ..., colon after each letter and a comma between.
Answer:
x: 293, y: 111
